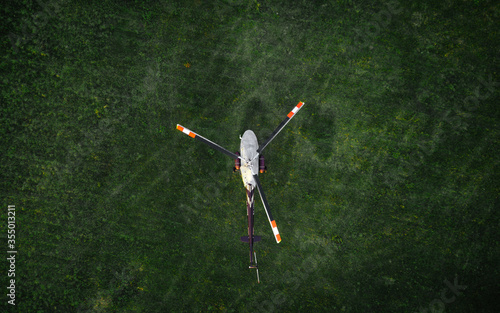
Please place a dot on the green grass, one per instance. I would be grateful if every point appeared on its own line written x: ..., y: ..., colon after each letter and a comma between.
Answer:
x: 383, y: 186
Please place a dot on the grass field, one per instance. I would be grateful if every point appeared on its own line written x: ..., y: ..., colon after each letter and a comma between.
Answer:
x: 384, y: 186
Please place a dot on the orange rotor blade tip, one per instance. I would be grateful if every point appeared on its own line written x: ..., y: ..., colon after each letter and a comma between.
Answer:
x: 300, y: 104
x: 278, y: 238
x: 179, y: 127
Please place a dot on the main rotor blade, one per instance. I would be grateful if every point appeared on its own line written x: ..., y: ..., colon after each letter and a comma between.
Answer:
x: 266, y: 207
x: 280, y: 126
x: 208, y: 142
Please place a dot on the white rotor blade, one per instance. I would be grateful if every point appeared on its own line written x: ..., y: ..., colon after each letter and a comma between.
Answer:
x: 268, y: 212
x: 206, y: 141
x: 281, y: 126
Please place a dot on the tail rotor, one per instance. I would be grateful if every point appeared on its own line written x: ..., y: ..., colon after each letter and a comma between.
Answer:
x: 255, y: 257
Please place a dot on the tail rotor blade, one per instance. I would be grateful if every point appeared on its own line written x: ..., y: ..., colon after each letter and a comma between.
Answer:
x: 268, y: 212
x: 212, y: 144
x: 255, y: 257
x: 281, y: 126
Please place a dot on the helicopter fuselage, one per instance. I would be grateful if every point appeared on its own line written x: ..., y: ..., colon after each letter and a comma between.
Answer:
x: 249, y: 162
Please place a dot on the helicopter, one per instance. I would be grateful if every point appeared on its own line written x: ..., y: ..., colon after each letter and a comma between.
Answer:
x: 250, y: 162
